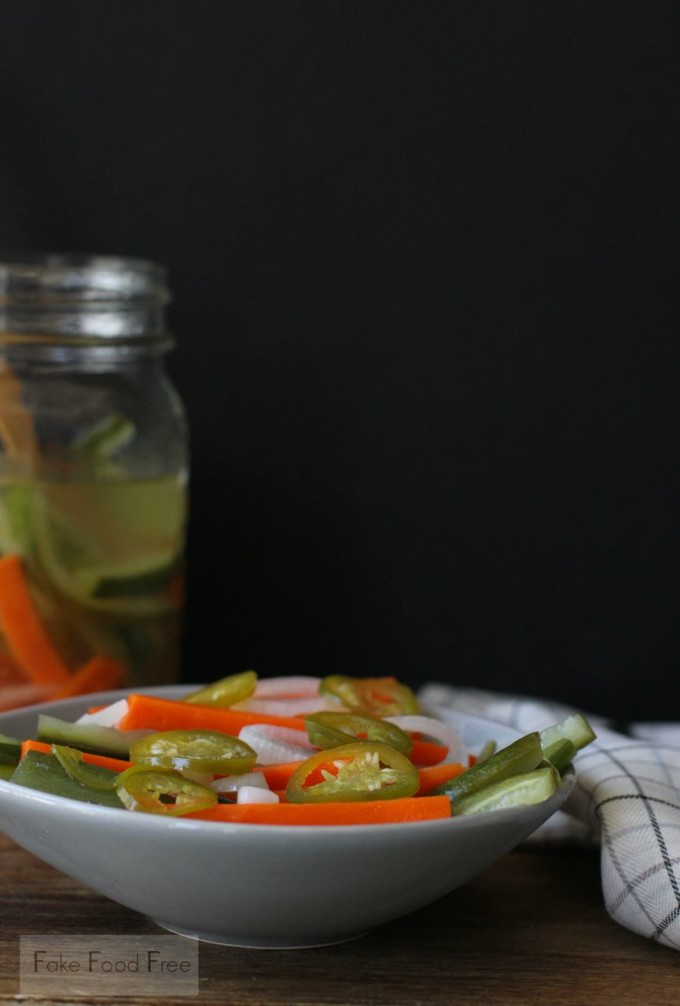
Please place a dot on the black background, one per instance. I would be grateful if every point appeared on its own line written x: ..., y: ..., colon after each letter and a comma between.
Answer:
x: 425, y: 266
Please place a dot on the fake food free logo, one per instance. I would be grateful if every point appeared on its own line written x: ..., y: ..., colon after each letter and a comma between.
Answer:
x: 108, y: 966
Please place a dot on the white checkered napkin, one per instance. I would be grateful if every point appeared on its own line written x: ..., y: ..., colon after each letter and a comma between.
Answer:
x: 627, y: 797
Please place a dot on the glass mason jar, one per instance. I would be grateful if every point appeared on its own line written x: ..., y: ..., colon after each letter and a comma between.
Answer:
x: 93, y: 479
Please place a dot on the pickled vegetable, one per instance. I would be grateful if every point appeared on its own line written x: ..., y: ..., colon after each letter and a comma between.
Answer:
x: 329, y: 729
x: 365, y: 770
x: 102, y: 553
x: 521, y: 756
x: 374, y: 696
x: 204, y: 751
x: 357, y: 758
x: 225, y: 692
x: 43, y: 772
x: 162, y: 791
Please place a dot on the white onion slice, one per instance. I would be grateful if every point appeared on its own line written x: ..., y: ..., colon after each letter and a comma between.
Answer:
x: 441, y: 732
x: 109, y: 716
x: 297, y: 706
x: 231, y: 783
x: 275, y: 744
x: 293, y: 685
x: 253, y: 794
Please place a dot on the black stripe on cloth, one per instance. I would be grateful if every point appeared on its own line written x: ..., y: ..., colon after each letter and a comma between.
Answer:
x: 640, y: 879
x: 628, y: 890
x: 637, y: 796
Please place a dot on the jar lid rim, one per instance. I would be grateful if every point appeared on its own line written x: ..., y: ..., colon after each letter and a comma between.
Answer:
x: 31, y: 276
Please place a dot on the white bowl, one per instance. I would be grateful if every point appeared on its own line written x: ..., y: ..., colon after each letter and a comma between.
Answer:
x: 256, y: 885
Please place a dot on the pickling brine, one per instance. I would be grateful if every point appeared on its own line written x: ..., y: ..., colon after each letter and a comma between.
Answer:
x: 105, y: 565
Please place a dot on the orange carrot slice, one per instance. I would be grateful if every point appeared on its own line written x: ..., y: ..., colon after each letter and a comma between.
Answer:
x: 422, y: 808
x: 17, y: 696
x: 115, y: 764
x: 23, y: 630
x: 427, y: 752
x: 147, y: 712
x: 99, y: 674
x: 436, y: 775
x: 277, y: 776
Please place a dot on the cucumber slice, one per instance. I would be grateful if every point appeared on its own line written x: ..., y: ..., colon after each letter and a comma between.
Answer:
x: 113, y: 546
x: 97, y: 445
x: 15, y: 522
x: 486, y: 752
x: 10, y: 747
x: 142, y: 584
x: 560, y: 753
x: 522, y: 755
x: 88, y: 736
x: 518, y: 791
x: 574, y: 728
x: 44, y: 773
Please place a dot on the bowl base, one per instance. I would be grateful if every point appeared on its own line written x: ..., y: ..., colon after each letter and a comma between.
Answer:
x: 257, y: 942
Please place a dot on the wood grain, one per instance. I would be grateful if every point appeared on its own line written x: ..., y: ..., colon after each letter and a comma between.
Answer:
x: 530, y: 930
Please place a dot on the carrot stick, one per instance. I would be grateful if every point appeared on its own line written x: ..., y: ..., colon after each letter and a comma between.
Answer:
x: 99, y: 674
x: 277, y: 776
x: 23, y: 630
x: 31, y: 745
x: 147, y: 712
x: 422, y: 808
x: 10, y: 672
x: 115, y: 764
x: 16, y: 423
x: 15, y: 696
x: 436, y: 775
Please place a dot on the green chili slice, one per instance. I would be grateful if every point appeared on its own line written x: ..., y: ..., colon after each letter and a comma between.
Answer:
x: 329, y: 729
x: 81, y: 771
x: 374, y: 696
x: 162, y: 791
x: 205, y: 751
x: 225, y: 692
x: 364, y: 770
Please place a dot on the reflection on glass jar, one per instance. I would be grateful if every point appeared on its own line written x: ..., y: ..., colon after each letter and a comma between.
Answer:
x: 93, y: 479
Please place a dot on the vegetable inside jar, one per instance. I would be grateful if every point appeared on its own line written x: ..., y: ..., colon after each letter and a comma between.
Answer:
x: 93, y: 479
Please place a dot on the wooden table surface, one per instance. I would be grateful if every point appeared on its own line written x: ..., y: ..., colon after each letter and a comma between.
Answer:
x: 530, y: 930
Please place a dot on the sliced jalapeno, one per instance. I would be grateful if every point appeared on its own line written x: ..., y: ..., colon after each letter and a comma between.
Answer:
x: 374, y: 696
x: 225, y: 692
x: 205, y: 751
x: 365, y: 770
x: 73, y: 764
x: 162, y: 791
x: 329, y: 729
